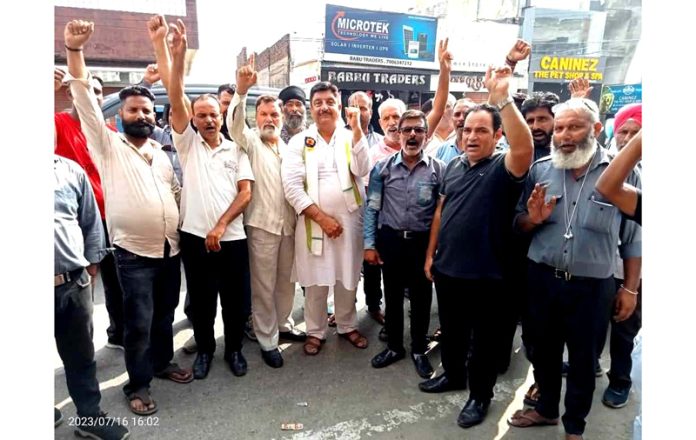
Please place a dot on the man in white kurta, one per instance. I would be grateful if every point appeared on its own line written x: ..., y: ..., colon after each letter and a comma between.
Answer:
x: 323, y: 174
x: 269, y: 220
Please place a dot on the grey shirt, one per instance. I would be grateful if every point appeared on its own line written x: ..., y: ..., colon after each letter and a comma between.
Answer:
x: 79, y: 235
x: 400, y: 198
x: 596, y: 226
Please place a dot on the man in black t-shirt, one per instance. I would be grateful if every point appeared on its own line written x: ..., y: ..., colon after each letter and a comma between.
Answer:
x: 470, y: 232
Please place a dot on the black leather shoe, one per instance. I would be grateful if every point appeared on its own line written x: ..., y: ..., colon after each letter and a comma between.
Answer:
x: 237, y: 363
x: 201, y: 366
x: 272, y: 358
x: 293, y: 335
x: 473, y: 413
x: 386, y: 358
x: 440, y: 384
x: 423, y: 367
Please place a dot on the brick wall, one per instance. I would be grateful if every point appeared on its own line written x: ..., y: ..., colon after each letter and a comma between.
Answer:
x: 120, y: 38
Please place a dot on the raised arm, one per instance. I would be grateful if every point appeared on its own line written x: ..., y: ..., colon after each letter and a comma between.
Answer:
x: 444, y: 56
x: 611, y: 184
x: 175, y: 89
x: 76, y: 35
x: 240, y: 133
x: 360, y: 161
x: 519, y: 158
x: 157, y: 29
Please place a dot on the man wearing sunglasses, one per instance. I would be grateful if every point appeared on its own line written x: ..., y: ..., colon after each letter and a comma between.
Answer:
x: 402, y: 195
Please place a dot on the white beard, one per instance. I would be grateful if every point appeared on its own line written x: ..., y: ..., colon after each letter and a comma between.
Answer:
x: 578, y: 158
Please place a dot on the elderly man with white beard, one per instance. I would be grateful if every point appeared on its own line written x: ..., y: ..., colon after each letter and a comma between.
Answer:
x: 574, y: 236
x: 269, y: 219
x: 294, y: 112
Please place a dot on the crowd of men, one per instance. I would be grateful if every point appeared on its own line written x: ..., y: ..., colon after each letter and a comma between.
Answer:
x: 510, y: 213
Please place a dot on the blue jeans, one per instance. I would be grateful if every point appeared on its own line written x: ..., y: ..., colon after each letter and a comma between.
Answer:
x: 73, y: 332
x: 150, y: 296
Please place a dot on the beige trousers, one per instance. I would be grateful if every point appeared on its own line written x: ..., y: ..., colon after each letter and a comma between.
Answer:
x: 270, y: 264
x: 315, y: 310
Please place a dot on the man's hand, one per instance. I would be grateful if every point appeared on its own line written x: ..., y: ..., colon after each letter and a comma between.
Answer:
x: 152, y: 74
x: 58, y: 75
x: 428, y: 267
x: 444, y: 56
x: 77, y: 33
x: 157, y: 28
x: 330, y: 226
x: 246, y: 76
x: 179, y: 42
x: 497, y: 83
x: 537, y: 208
x: 580, y: 88
x: 212, y: 240
x: 519, y: 51
x: 624, y: 306
x: 92, y: 270
x: 353, y: 119
x: 372, y: 257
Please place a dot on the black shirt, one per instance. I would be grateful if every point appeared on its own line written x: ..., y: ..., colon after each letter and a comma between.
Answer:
x: 476, y: 225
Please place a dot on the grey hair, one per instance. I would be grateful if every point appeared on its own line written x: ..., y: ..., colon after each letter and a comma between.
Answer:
x: 354, y: 96
x: 392, y: 102
x: 586, y: 106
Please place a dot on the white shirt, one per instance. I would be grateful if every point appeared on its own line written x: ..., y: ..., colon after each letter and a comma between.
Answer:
x: 268, y: 209
x: 141, y: 195
x: 211, y: 183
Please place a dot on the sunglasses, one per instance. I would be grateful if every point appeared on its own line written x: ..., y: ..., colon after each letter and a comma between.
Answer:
x: 408, y: 130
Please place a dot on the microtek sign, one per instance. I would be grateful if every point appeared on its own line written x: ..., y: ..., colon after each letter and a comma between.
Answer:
x: 372, y: 80
x: 381, y: 38
x: 550, y: 68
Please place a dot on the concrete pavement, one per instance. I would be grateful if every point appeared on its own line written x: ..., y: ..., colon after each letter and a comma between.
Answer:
x: 345, y: 397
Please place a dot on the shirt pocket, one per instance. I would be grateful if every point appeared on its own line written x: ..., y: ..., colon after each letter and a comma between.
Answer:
x: 426, y: 193
x: 599, y: 215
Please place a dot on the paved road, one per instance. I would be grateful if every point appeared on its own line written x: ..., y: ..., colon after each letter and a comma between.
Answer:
x: 345, y: 397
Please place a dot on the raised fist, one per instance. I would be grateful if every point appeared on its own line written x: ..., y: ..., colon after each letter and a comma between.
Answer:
x: 353, y: 118
x: 497, y: 82
x: 58, y: 75
x: 519, y: 51
x: 77, y: 32
x: 178, y: 43
x: 157, y: 28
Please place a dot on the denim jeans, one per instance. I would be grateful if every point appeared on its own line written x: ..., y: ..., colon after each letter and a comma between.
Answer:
x: 113, y: 297
x: 150, y: 295
x: 73, y: 332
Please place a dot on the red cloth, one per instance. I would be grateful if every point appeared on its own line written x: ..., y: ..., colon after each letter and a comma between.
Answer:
x: 629, y: 111
x: 72, y: 144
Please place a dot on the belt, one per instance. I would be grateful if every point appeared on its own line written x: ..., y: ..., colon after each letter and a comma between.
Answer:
x: 564, y: 275
x: 67, y: 277
x: 406, y: 235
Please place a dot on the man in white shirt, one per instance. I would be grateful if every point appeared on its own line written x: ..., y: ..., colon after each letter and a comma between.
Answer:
x: 323, y: 174
x: 269, y: 219
x: 142, y: 218
x: 218, y: 189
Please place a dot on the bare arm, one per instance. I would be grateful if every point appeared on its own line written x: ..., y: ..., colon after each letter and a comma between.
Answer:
x: 625, y: 303
x: 432, y: 242
x: 236, y: 115
x: 611, y: 183
x: 238, y: 205
x: 440, y: 100
x: 519, y: 158
x: 175, y: 90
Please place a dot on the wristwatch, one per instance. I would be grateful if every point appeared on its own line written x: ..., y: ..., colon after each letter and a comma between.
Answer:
x: 501, y: 105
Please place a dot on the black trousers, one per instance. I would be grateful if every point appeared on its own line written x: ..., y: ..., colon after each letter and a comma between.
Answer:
x: 113, y: 295
x: 372, y: 286
x: 573, y: 312
x: 404, y: 262
x: 208, y: 273
x: 469, y: 319
x: 73, y: 332
x: 621, y: 343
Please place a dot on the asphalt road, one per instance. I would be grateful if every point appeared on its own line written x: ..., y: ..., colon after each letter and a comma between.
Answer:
x: 335, y: 395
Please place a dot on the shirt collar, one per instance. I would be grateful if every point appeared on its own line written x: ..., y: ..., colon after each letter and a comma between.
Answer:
x: 423, y: 158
